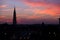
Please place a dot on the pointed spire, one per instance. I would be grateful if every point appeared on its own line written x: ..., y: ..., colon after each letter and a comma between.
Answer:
x: 14, y: 16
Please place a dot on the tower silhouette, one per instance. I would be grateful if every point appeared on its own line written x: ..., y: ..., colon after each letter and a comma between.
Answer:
x: 59, y: 21
x: 14, y: 17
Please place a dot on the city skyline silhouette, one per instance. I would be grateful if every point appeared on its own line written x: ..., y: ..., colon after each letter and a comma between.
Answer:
x: 30, y: 20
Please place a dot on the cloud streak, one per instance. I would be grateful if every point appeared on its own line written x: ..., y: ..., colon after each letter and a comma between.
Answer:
x: 3, y: 6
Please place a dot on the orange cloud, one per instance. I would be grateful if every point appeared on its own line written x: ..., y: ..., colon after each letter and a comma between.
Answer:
x: 50, y: 9
x: 37, y: 13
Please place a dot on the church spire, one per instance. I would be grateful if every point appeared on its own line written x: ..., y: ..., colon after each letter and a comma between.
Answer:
x: 14, y: 17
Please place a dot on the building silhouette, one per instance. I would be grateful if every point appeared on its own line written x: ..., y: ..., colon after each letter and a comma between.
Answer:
x: 14, y: 17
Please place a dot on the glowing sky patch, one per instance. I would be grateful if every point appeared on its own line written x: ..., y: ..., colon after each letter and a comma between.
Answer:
x: 30, y: 11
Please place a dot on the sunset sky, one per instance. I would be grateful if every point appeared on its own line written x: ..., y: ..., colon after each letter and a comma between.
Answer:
x: 30, y: 11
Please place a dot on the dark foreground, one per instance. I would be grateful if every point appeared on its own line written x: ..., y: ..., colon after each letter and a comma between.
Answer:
x: 29, y: 32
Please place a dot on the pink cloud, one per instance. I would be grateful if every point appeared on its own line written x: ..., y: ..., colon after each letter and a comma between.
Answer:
x: 3, y: 6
